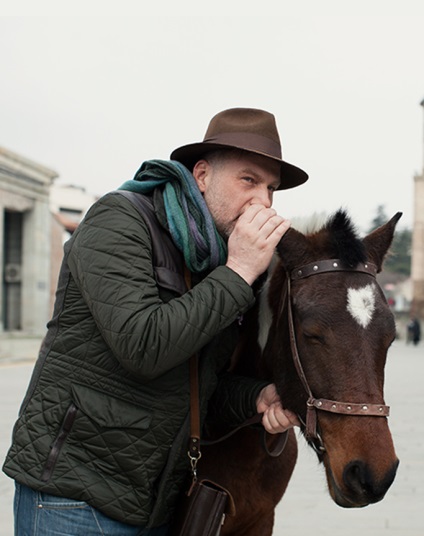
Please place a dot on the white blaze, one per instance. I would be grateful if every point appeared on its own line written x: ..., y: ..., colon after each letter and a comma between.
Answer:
x: 361, y: 304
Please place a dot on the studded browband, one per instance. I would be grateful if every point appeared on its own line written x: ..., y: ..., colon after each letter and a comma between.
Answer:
x: 331, y: 265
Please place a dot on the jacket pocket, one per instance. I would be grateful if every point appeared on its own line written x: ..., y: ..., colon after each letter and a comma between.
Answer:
x: 102, y: 409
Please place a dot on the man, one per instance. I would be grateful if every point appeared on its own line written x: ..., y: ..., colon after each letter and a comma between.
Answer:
x: 100, y: 444
x: 414, y: 331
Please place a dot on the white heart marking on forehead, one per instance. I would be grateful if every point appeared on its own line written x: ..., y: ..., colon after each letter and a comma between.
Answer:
x: 361, y: 304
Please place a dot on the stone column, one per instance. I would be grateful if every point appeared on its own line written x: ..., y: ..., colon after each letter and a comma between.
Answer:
x: 36, y: 268
x: 417, y: 271
x: 417, y: 268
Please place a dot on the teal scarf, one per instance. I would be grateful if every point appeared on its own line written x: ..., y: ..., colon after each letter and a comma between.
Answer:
x: 190, y: 222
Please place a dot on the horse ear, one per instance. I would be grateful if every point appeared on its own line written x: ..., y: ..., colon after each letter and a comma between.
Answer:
x: 292, y: 249
x: 378, y: 242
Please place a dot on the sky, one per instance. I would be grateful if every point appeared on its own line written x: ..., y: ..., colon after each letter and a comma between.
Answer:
x: 91, y: 90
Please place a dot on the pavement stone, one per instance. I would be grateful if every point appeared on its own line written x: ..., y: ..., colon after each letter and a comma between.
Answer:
x: 306, y: 506
x: 16, y: 346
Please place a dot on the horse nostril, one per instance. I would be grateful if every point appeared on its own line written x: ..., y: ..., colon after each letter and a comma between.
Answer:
x: 364, y: 487
x: 356, y: 477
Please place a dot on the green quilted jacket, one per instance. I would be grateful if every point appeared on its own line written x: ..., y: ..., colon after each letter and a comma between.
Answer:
x: 105, y: 417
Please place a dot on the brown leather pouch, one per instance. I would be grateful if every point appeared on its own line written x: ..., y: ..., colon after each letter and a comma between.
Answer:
x: 203, y: 509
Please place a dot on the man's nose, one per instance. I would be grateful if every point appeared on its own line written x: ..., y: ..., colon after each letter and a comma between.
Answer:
x: 263, y: 197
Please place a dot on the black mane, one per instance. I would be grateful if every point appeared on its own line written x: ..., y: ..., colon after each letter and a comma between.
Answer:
x: 348, y: 246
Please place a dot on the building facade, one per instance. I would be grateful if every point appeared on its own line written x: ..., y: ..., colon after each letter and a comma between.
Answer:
x: 25, y: 244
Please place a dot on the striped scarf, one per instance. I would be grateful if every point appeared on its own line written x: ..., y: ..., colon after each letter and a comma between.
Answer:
x: 190, y: 222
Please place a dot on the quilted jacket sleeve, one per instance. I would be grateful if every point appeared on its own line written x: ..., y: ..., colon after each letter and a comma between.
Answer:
x: 111, y: 262
x: 234, y: 399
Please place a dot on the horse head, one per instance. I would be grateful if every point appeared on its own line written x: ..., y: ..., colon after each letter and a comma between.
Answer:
x: 342, y: 328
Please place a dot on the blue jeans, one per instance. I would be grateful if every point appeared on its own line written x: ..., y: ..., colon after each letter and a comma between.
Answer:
x: 40, y: 514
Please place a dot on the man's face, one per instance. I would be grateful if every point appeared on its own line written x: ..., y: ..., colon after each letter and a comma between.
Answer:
x: 234, y: 184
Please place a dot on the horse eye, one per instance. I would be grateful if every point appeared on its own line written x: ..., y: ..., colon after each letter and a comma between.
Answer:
x: 313, y: 338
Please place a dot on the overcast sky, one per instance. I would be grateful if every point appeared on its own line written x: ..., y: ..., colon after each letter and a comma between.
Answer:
x: 92, y: 97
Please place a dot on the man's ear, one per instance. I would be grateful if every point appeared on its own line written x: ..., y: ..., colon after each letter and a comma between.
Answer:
x: 200, y: 172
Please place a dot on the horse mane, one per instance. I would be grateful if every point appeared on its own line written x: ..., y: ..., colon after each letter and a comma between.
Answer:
x: 335, y: 236
x: 344, y: 238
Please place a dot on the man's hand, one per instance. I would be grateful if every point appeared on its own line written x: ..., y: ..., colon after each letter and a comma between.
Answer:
x: 276, y: 419
x: 253, y: 241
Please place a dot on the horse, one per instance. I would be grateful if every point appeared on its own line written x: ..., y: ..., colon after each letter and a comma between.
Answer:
x: 320, y: 330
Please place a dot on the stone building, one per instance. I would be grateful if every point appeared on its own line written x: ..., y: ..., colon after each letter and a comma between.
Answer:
x: 37, y: 216
x: 25, y: 244
x: 417, y: 269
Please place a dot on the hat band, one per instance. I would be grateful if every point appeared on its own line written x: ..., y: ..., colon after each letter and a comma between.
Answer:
x: 248, y: 142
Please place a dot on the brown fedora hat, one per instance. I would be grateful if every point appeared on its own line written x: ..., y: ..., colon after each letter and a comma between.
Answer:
x: 248, y: 129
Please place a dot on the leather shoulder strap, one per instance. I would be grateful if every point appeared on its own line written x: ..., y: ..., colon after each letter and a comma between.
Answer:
x: 167, y: 259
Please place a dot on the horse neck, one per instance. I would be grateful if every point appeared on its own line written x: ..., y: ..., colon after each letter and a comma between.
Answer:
x: 248, y: 357
x: 276, y: 363
x: 273, y: 337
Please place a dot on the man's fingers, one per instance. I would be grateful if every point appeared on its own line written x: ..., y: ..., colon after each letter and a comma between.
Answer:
x: 252, y: 243
x: 250, y: 214
x: 276, y: 227
x: 277, y: 420
x: 263, y: 222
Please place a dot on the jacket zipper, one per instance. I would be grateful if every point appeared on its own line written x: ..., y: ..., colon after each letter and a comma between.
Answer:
x: 57, y: 444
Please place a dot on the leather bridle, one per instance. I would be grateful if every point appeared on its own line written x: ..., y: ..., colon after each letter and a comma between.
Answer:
x: 322, y: 404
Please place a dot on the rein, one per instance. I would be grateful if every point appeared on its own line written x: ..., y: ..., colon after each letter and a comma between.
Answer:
x: 314, y: 404
x: 280, y: 440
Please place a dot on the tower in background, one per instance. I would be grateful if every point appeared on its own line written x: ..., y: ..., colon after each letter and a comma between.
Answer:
x: 417, y: 269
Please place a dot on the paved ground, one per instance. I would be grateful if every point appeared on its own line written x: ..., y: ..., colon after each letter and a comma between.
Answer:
x: 307, y: 507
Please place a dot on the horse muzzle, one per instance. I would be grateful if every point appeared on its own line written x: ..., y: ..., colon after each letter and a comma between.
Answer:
x: 359, y: 487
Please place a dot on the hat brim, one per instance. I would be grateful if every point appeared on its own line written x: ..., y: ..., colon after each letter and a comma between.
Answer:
x: 291, y: 176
